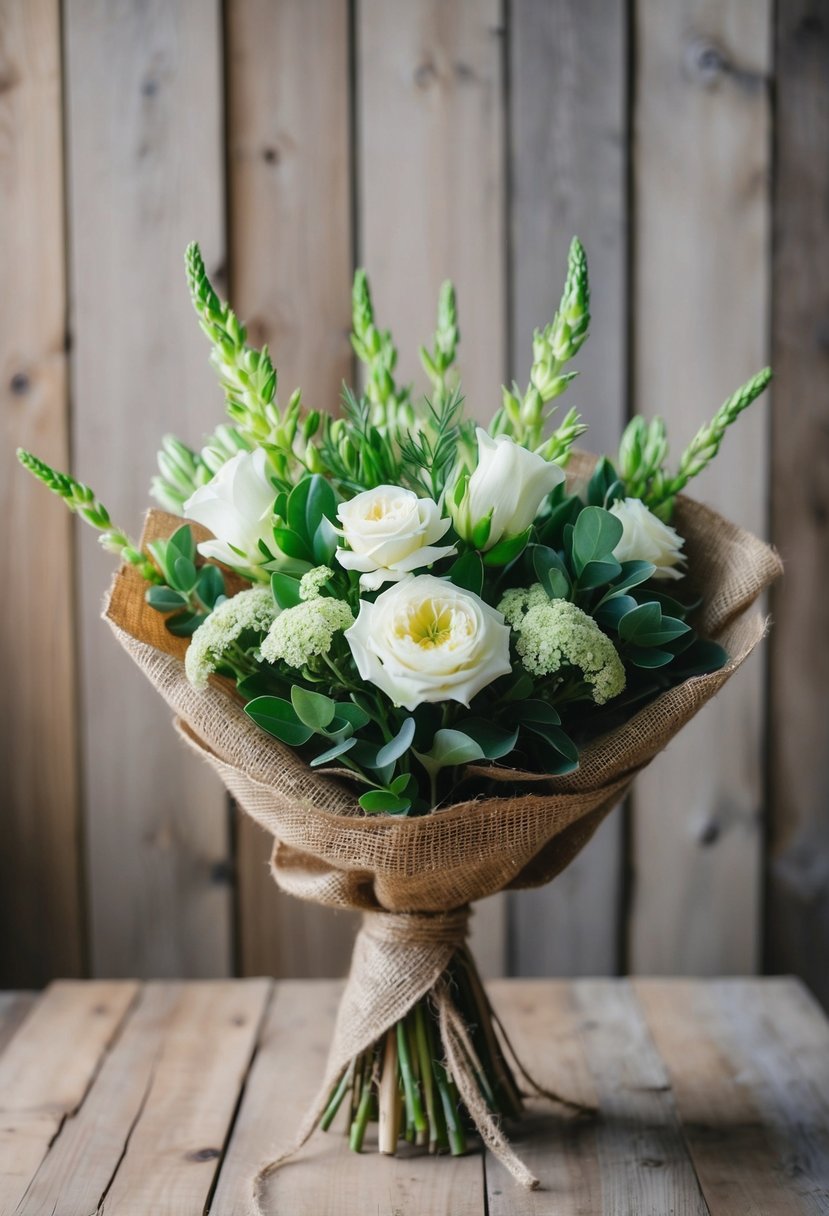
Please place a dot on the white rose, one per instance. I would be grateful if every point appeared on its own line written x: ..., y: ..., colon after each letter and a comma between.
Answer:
x: 427, y: 640
x: 391, y: 533
x: 237, y: 506
x: 509, y: 481
x: 645, y: 538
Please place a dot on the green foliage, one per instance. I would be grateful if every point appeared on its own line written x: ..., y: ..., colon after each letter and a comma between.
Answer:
x: 81, y: 499
x: 644, y: 449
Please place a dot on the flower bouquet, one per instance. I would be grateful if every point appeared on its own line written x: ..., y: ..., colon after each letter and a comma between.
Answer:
x: 428, y: 657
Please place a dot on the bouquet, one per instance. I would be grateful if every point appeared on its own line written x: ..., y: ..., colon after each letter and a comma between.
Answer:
x: 428, y: 657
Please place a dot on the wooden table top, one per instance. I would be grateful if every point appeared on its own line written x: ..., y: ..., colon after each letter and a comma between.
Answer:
x: 151, y: 1099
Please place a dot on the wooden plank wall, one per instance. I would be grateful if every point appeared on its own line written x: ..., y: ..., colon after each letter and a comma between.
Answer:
x: 296, y: 139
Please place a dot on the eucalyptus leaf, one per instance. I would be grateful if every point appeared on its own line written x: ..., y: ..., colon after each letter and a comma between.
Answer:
x: 378, y: 801
x: 551, y: 572
x: 183, y: 543
x: 183, y: 574
x: 598, y: 574
x: 610, y: 612
x: 595, y: 535
x: 164, y: 599
x: 646, y: 626
x: 399, y: 745
x: 494, y: 741
x: 312, y: 708
x: 449, y: 748
x: 558, y: 739
x: 355, y: 715
x: 210, y: 585
x: 632, y: 574
x: 185, y: 624
x: 279, y: 718
x: 339, y: 749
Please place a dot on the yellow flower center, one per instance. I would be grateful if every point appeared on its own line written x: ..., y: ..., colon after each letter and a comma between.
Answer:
x: 432, y: 624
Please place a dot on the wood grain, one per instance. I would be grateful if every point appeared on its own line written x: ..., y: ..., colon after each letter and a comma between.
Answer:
x: 701, y: 300
x: 291, y: 262
x: 641, y: 1150
x: 568, y: 175
x: 431, y: 206
x: 81, y: 1163
x: 723, y: 1120
x: 179, y: 1136
x: 283, y: 1080
x: 798, y: 892
x: 144, y: 123
x: 41, y: 1082
x: 40, y: 892
x: 558, y: 1145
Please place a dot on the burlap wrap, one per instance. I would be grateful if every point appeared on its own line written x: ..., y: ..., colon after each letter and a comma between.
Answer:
x: 328, y: 851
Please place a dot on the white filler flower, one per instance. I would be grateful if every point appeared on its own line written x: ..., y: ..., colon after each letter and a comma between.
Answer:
x: 510, y: 482
x: 647, y: 539
x: 237, y: 506
x: 391, y: 532
x: 427, y: 640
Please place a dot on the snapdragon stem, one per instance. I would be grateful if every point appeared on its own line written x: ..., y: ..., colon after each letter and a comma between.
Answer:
x: 335, y: 1101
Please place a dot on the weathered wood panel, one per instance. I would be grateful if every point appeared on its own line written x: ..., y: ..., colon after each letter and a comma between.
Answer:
x: 701, y: 152
x: 568, y: 176
x: 144, y: 122
x: 431, y: 205
x: 291, y: 262
x: 46, y: 1071
x: 40, y: 892
x: 798, y: 909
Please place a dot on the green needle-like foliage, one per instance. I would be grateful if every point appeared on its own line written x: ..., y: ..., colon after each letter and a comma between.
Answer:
x: 644, y: 448
x: 375, y: 348
x: 81, y: 499
x: 524, y: 417
x: 439, y: 362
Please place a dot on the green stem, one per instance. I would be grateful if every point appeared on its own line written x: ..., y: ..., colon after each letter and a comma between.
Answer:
x: 335, y: 1101
x: 358, y: 1127
x: 414, y: 1107
x: 426, y: 1075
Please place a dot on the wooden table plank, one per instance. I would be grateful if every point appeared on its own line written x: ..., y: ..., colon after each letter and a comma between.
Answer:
x: 643, y: 1159
x: 46, y: 1070
x: 722, y: 1120
x: 559, y: 1147
x: 79, y: 1168
x: 171, y: 1157
x: 783, y: 1056
x: 13, y: 1008
x: 325, y: 1176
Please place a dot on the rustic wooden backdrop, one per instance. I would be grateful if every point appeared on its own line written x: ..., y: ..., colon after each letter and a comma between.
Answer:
x: 684, y: 140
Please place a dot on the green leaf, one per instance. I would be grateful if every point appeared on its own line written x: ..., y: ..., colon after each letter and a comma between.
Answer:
x: 160, y: 549
x: 648, y: 657
x: 563, y: 513
x: 183, y: 574
x: 603, y: 478
x: 610, y: 612
x: 468, y: 572
x: 398, y: 746
x: 506, y: 551
x: 278, y: 718
x: 521, y: 687
x: 312, y: 708
x: 285, y: 590
x: 494, y: 741
x: 596, y: 534
x: 598, y: 573
x: 378, y: 801
x: 292, y: 544
x: 164, y: 599
x: 646, y: 626
x: 355, y: 715
x: 534, y: 710
x: 551, y: 572
x: 331, y: 753
x: 450, y: 747
x: 558, y: 739
x: 633, y: 573
x: 183, y: 543
x: 210, y: 585
x: 257, y: 685
x: 185, y: 624
x: 324, y: 542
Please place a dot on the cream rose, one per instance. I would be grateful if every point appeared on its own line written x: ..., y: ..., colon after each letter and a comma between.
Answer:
x: 237, y: 506
x: 427, y: 640
x: 391, y: 532
x: 509, y: 481
x: 646, y: 538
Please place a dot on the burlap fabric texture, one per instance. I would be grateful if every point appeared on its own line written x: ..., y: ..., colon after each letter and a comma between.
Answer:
x: 521, y: 832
